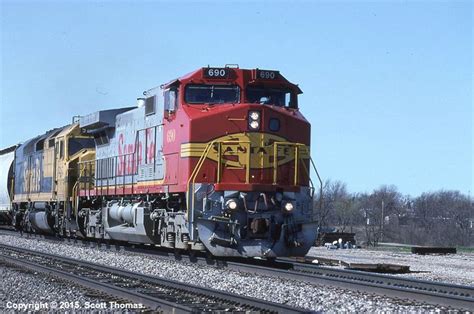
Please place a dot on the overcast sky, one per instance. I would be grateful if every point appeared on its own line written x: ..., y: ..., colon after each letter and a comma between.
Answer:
x: 387, y: 86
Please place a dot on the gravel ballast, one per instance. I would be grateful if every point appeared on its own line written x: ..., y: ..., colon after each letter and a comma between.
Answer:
x: 293, y: 293
x: 27, y: 291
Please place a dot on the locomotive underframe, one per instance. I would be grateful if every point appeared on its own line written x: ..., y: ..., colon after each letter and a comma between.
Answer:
x: 153, y: 219
x: 44, y: 217
x: 258, y: 225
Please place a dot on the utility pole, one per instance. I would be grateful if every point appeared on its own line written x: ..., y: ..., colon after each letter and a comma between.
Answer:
x: 382, y: 222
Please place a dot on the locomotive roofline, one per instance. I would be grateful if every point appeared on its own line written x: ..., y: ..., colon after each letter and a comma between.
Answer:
x: 197, y: 76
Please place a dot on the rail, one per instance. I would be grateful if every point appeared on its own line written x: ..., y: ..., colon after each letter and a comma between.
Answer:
x: 157, y: 294
x: 431, y: 292
x: 204, y: 156
x: 75, y: 192
x: 436, y: 293
x: 98, y: 170
x: 108, y: 169
x: 298, y: 147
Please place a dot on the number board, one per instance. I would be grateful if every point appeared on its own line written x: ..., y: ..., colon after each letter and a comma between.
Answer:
x: 267, y: 75
x: 216, y: 73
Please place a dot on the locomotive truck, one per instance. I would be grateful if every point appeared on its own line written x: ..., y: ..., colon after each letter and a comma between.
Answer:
x: 217, y: 160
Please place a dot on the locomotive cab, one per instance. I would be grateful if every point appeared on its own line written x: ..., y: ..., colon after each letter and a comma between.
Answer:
x: 246, y: 163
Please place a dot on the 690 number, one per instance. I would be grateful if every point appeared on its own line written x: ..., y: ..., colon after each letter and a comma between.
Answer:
x: 267, y: 75
x: 216, y: 72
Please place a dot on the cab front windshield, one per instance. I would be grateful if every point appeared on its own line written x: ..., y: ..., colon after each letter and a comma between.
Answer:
x: 269, y: 96
x: 212, y: 94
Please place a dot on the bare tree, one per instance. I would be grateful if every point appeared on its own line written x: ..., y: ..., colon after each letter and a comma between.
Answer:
x: 377, y: 208
x: 444, y: 217
x: 335, y: 204
x: 434, y: 218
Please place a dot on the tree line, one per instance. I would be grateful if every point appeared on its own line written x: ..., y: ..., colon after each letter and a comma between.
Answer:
x: 440, y: 218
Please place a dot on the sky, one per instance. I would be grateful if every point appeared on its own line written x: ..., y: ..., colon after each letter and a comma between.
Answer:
x: 387, y: 85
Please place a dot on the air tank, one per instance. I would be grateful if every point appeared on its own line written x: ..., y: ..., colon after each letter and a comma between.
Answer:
x: 124, y: 213
x: 42, y: 221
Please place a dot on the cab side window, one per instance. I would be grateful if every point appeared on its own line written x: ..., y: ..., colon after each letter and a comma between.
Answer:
x: 171, y: 97
x: 150, y: 105
x: 59, y: 149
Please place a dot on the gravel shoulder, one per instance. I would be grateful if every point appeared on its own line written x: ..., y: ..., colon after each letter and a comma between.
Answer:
x: 293, y: 293
x: 451, y: 268
x: 26, y: 291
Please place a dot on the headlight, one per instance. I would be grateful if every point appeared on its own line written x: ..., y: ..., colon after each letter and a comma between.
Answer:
x: 288, y: 207
x: 254, y: 125
x: 231, y: 204
x: 254, y: 120
x: 254, y: 115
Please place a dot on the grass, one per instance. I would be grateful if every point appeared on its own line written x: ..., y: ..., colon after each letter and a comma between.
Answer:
x: 406, y: 248
x: 396, y: 249
x: 465, y: 249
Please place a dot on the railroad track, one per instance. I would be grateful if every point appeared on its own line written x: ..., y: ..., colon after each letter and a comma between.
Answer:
x: 436, y: 293
x: 431, y: 292
x: 155, y: 293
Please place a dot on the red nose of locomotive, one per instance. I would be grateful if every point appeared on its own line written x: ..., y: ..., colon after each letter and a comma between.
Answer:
x: 250, y: 146
x: 245, y: 130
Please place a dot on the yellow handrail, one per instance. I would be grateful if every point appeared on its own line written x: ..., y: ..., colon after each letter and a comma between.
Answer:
x: 75, y: 187
x: 204, y: 155
x: 296, y: 164
x: 219, y: 152
x: 297, y: 147
x: 196, y: 169
x: 247, y: 160
x: 297, y: 157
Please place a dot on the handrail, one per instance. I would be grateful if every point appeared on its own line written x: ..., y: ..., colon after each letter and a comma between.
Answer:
x: 204, y: 155
x: 296, y: 164
x: 297, y: 157
x: 114, y: 169
x: 74, y: 190
x: 275, y: 159
x: 193, y: 176
x: 192, y: 179
x: 219, y: 160
x: 311, y: 181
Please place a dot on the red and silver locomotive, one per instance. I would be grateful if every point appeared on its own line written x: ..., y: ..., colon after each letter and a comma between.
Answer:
x: 216, y: 160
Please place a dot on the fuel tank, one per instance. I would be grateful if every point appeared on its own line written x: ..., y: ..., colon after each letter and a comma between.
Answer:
x: 40, y: 219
